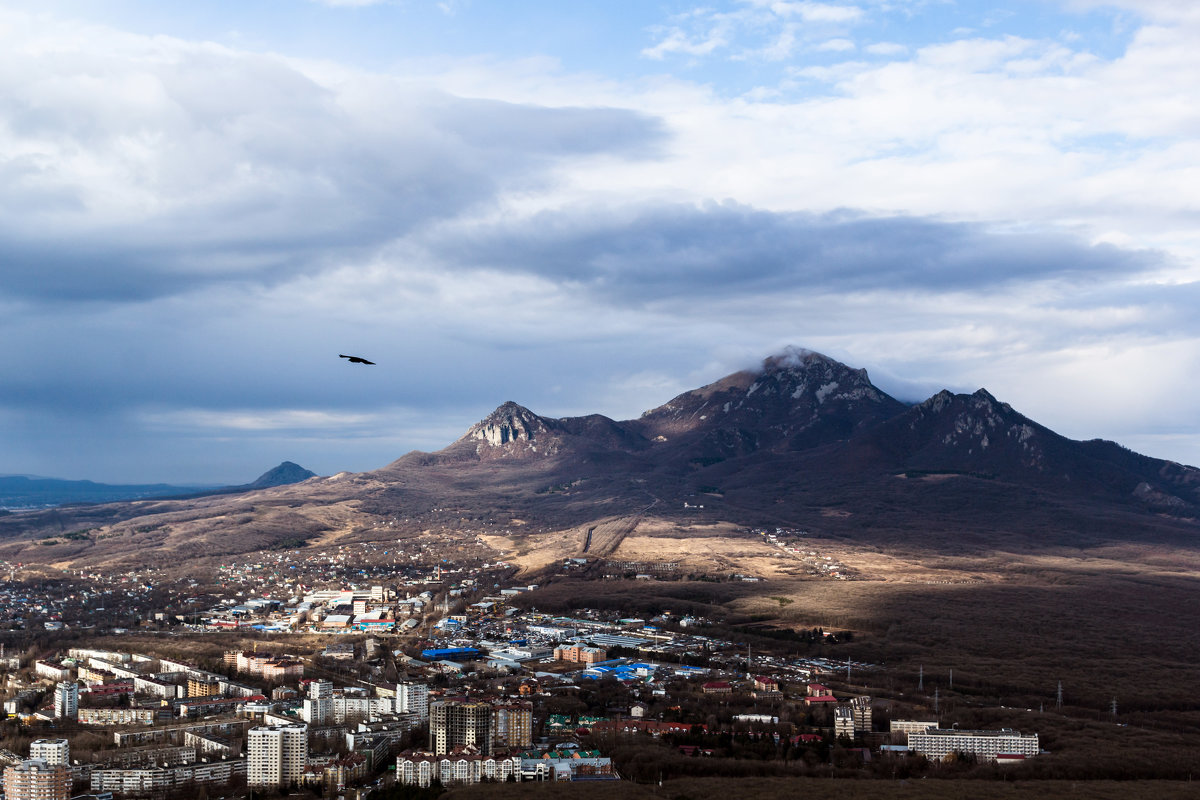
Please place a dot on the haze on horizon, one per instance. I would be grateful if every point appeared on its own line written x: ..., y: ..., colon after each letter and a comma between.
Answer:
x: 586, y: 209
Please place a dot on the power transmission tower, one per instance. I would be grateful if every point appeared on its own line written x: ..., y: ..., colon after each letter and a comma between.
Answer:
x: 921, y: 679
x: 935, y: 700
x: 1114, y: 706
x: 952, y: 680
x: 1058, y: 697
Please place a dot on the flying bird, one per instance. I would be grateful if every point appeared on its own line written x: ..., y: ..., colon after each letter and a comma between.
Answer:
x: 357, y: 360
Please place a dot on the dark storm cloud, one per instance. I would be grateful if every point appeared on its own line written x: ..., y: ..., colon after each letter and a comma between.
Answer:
x: 687, y: 251
x: 131, y: 176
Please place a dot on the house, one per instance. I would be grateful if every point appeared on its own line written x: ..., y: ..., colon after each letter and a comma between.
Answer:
x: 766, y: 683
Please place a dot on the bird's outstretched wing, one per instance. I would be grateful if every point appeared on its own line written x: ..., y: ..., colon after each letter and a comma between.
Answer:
x: 356, y: 360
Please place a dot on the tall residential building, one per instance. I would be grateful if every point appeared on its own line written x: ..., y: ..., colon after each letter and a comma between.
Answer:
x: 66, y: 700
x: 34, y: 779
x: 276, y: 755
x: 318, y: 706
x: 454, y: 723
x: 843, y: 722
x: 512, y: 725
x: 317, y: 711
x: 861, y: 707
x: 413, y: 698
x: 55, y: 752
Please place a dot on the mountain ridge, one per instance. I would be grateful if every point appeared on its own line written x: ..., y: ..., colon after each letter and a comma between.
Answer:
x: 804, y: 441
x: 800, y: 400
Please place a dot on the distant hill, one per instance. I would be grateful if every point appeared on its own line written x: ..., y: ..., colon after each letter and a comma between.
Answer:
x: 282, y: 475
x: 19, y: 492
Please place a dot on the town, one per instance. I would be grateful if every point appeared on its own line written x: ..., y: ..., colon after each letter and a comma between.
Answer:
x: 351, y: 671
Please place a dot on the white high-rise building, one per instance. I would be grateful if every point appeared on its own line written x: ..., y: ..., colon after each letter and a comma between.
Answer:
x: 66, y: 700
x: 318, y: 711
x: 413, y: 698
x: 55, y: 752
x: 318, y: 706
x: 276, y: 755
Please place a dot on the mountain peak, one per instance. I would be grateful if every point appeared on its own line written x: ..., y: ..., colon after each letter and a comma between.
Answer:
x: 286, y: 473
x: 798, y: 398
x: 510, y: 422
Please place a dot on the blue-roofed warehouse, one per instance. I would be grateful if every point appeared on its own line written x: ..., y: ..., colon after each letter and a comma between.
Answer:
x: 451, y: 654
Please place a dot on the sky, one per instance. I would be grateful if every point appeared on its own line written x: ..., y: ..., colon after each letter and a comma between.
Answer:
x: 583, y: 207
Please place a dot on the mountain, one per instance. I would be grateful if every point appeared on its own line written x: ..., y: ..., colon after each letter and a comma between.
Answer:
x: 282, y: 475
x: 803, y: 441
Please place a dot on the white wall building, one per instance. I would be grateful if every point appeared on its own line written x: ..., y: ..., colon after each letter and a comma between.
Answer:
x: 463, y: 765
x: 55, y: 752
x: 276, y: 754
x: 66, y: 700
x: 52, y: 670
x: 317, y: 711
x: 938, y: 743
x: 413, y: 698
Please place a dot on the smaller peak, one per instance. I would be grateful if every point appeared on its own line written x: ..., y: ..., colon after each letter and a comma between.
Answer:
x: 939, y: 402
x: 287, y: 472
x: 510, y: 422
x: 985, y: 398
x: 509, y: 410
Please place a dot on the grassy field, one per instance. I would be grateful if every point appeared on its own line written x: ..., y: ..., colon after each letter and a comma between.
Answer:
x: 833, y: 789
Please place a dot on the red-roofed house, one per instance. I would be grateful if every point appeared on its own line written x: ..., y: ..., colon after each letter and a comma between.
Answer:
x: 766, y: 683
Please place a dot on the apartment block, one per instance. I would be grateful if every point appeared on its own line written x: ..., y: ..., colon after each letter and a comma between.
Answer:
x: 34, y: 779
x: 459, y: 724
x: 276, y: 755
x: 938, y: 743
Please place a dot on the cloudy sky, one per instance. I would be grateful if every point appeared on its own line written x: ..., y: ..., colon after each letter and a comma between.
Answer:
x: 583, y: 207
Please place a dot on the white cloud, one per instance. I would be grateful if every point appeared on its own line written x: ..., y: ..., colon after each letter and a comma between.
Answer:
x: 836, y: 46
x: 677, y: 42
x: 769, y: 30
x: 809, y: 12
x: 886, y: 49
